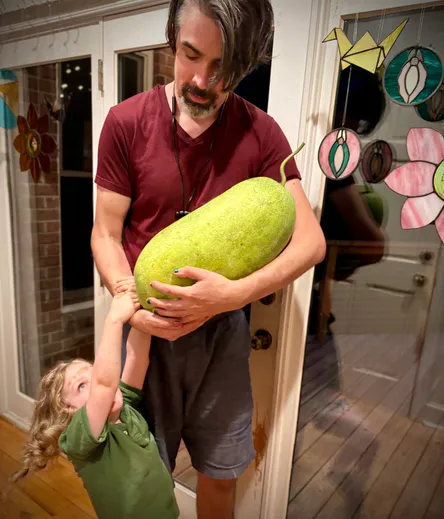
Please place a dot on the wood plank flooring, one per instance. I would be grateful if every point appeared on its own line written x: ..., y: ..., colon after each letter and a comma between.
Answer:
x: 357, y: 454
x: 56, y: 493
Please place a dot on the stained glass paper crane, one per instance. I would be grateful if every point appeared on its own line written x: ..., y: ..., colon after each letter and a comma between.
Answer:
x: 365, y: 53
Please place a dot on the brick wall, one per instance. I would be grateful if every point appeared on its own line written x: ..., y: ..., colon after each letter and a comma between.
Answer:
x: 60, y: 335
x: 163, y: 66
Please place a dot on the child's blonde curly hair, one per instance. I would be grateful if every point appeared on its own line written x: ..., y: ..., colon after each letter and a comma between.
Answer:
x: 50, y: 418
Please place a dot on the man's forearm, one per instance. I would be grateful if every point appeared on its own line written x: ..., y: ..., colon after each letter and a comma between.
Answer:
x: 110, y: 259
x: 306, y: 249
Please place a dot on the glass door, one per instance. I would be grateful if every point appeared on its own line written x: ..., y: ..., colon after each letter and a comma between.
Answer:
x: 48, y: 95
x: 369, y: 440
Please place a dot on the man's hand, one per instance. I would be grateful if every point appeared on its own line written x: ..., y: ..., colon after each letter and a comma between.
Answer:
x: 169, y: 329
x: 211, y: 294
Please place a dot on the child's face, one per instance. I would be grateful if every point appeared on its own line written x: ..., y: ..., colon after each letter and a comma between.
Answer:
x: 77, y: 386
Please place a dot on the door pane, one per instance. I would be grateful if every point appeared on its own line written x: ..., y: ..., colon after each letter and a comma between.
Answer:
x: 49, y: 162
x: 370, y: 428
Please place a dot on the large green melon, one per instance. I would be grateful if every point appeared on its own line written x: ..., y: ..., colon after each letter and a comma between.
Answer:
x: 235, y: 234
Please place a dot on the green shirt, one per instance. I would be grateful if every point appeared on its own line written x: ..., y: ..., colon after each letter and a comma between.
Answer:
x: 122, y: 470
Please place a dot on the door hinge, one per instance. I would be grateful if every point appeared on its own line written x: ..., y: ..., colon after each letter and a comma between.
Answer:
x: 100, y: 78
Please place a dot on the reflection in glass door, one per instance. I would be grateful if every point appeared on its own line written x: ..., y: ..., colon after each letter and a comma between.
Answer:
x: 370, y: 438
x: 49, y: 170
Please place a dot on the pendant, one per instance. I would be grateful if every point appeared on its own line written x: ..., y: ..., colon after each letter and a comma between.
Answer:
x: 413, y: 76
x: 339, y: 153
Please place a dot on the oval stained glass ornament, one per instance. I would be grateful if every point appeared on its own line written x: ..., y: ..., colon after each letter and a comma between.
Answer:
x: 377, y: 160
x: 413, y: 76
x: 432, y: 110
x: 339, y: 153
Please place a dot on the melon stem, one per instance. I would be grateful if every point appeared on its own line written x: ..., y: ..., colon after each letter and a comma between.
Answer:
x: 284, y: 162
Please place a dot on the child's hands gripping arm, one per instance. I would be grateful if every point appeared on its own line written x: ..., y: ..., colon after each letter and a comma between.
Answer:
x: 107, y: 365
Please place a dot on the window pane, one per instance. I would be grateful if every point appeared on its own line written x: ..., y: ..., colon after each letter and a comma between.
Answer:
x: 49, y: 155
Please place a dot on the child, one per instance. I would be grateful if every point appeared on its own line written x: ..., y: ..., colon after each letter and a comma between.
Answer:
x: 87, y: 412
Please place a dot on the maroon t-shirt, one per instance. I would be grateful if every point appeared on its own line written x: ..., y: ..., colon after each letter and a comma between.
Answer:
x: 136, y: 159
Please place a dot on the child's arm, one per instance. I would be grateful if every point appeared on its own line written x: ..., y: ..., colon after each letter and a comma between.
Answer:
x: 107, y: 364
x: 137, y: 346
x: 137, y: 358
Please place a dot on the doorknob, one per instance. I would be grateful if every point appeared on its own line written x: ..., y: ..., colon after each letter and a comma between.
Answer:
x: 425, y: 256
x: 261, y: 340
x: 419, y: 280
x: 268, y: 300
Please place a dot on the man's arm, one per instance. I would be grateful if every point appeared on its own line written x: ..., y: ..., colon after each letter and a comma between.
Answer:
x: 106, y: 237
x: 306, y: 249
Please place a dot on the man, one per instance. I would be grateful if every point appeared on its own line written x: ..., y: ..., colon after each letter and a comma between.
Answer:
x: 168, y: 151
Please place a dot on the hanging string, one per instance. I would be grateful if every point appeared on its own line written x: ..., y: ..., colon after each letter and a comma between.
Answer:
x: 421, y: 22
x: 347, y: 93
x: 381, y: 25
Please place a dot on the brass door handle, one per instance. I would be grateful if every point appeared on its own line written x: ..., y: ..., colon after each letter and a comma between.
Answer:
x: 419, y: 280
x: 261, y: 340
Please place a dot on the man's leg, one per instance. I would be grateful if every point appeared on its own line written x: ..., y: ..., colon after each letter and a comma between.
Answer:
x: 215, y: 497
x: 218, y: 412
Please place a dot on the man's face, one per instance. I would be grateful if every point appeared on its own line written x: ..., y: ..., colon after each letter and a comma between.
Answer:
x: 198, y: 58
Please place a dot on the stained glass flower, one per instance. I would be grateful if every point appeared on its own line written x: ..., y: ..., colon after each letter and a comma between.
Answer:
x: 422, y: 180
x: 33, y: 143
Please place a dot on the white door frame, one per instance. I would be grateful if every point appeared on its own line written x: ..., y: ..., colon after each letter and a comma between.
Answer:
x: 59, y: 46
x: 312, y: 97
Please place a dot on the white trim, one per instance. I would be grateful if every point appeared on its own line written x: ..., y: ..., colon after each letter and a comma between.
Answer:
x: 17, y: 421
x: 67, y: 309
x: 318, y: 64
x: 309, y: 91
x: 48, y: 22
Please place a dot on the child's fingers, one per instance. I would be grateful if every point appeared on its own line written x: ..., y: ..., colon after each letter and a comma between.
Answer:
x: 125, y: 287
x: 125, y: 281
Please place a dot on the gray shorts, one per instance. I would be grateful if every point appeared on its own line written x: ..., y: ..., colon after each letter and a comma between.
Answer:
x: 198, y: 388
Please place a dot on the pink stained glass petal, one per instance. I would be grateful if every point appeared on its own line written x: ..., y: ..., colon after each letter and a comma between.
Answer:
x: 439, y: 222
x: 425, y: 144
x: 354, y: 149
x: 418, y: 212
x: 412, y: 179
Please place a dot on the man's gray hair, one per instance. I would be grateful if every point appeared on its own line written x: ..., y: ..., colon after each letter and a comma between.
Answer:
x: 246, y: 27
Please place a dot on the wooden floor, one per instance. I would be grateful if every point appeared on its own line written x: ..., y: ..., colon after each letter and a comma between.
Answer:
x: 358, y: 455
x: 52, y: 494
x: 56, y: 493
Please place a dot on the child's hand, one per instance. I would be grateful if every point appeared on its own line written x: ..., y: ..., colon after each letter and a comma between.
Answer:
x: 125, y: 285
x: 124, y: 306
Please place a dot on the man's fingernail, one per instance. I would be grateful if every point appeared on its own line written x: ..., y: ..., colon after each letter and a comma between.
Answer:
x: 155, y: 312
x: 148, y: 302
x: 151, y: 284
x: 176, y: 271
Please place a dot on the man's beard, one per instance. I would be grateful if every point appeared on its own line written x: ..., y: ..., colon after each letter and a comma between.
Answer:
x: 197, y: 110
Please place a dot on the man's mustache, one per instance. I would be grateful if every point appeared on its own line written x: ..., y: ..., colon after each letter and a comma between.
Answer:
x: 204, y: 94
